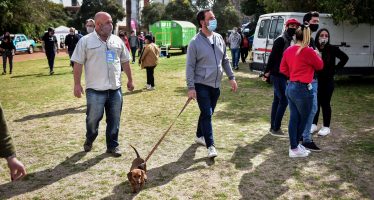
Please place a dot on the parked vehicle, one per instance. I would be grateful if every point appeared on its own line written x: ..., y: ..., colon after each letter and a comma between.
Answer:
x: 173, y: 34
x: 356, y: 40
x: 22, y: 43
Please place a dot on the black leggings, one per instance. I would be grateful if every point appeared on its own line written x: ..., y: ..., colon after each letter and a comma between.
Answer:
x: 244, y: 54
x: 150, y: 77
x: 325, y: 90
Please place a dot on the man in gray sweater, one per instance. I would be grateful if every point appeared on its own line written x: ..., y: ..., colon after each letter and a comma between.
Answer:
x: 206, y: 61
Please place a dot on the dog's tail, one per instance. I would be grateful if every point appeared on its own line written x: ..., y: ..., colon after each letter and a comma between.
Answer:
x: 137, y: 154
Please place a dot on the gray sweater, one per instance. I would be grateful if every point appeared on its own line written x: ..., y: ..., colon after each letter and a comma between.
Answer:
x: 205, y: 63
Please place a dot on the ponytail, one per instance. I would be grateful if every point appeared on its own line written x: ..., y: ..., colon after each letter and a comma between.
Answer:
x: 303, y: 36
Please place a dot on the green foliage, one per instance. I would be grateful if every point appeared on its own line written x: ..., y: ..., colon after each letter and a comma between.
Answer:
x: 179, y: 10
x: 152, y: 13
x: 90, y: 7
x: 226, y: 15
x: 357, y: 11
x: 31, y: 17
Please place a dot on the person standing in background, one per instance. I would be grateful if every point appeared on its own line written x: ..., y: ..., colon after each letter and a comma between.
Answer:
x: 90, y: 25
x: 71, y: 41
x: 149, y: 60
x: 134, y: 45
x: 235, y: 40
x: 326, y: 77
x: 8, y: 50
x: 50, y: 48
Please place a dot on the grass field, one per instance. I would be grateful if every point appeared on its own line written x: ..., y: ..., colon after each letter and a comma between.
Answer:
x: 48, y: 127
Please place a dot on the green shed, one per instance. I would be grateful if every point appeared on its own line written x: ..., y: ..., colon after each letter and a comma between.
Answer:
x: 173, y: 34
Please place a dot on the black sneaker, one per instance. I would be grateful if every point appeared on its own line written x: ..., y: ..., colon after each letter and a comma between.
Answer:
x: 115, y: 152
x: 311, y: 146
x: 51, y: 72
x: 87, y: 146
x: 278, y: 133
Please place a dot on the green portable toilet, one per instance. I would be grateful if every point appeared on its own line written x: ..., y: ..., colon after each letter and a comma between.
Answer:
x: 173, y: 34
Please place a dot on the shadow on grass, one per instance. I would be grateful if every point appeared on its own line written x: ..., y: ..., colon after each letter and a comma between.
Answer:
x: 164, y: 174
x: 37, y: 180
x: 132, y: 92
x: 26, y: 75
x: 75, y: 110
x: 265, y: 181
x: 40, y: 75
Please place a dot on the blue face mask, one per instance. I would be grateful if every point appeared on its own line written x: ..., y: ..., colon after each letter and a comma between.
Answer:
x: 212, y: 25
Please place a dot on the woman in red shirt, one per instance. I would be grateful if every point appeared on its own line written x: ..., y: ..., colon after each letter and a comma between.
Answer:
x: 299, y: 63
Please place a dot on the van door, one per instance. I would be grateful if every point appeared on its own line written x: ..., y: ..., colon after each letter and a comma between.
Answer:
x: 259, y: 43
x: 357, y: 44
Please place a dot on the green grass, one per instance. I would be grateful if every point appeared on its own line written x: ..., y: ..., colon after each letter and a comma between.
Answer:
x: 48, y: 127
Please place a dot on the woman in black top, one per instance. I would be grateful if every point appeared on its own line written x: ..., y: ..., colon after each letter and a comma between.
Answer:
x: 326, y: 77
x: 8, y: 49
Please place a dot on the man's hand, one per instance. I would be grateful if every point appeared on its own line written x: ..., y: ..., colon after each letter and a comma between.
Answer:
x: 17, y: 169
x: 234, y: 85
x: 130, y: 86
x: 191, y: 94
x: 78, y: 90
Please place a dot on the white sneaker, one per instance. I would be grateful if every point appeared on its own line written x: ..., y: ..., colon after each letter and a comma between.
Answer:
x: 200, y: 140
x: 324, y: 131
x: 299, y: 152
x: 314, y: 128
x: 212, y: 152
x: 147, y: 86
x: 304, y: 149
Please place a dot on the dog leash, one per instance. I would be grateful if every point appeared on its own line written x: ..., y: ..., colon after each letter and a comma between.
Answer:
x: 163, y: 136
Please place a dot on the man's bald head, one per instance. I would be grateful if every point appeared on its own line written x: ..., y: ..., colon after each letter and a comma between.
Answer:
x: 101, y: 16
x: 103, y: 22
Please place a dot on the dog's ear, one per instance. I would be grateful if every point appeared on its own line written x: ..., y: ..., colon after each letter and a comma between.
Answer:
x: 144, y: 176
x: 129, y: 176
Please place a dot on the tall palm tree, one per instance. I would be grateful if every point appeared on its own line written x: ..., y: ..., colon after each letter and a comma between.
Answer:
x: 128, y: 15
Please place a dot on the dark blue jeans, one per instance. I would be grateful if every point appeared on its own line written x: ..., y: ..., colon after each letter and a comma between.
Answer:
x: 51, y: 59
x: 307, y: 136
x: 235, y: 53
x: 8, y: 55
x: 133, y: 53
x: 207, y: 98
x: 300, y: 101
x: 279, y: 102
x: 97, y: 101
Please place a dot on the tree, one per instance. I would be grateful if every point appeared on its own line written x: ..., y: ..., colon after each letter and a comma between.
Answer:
x: 90, y: 7
x: 128, y: 15
x: 358, y: 11
x: 179, y: 10
x: 31, y: 17
x: 152, y: 13
x: 252, y: 7
x: 226, y: 15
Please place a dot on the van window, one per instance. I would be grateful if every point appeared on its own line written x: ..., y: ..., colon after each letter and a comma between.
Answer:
x: 276, y: 28
x: 264, y: 28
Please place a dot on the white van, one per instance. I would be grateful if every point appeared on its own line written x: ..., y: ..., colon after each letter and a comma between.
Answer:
x: 356, y: 40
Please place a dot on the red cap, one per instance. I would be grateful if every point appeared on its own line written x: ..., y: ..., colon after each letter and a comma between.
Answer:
x: 292, y: 21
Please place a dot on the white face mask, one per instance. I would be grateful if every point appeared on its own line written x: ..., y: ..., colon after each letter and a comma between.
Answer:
x: 90, y: 29
x: 323, y: 41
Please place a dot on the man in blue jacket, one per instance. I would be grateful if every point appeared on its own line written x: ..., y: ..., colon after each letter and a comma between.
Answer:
x: 206, y: 60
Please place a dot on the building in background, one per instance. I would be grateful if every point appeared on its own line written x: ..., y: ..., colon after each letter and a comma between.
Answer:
x: 68, y: 3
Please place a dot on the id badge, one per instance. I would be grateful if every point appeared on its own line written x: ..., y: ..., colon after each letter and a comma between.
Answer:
x: 110, y: 55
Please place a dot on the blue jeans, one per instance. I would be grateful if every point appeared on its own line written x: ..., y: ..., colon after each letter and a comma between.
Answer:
x: 97, y: 101
x: 207, y: 98
x: 279, y: 102
x: 300, y: 101
x: 307, y: 136
x: 235, y: 53
x: 51, y: 58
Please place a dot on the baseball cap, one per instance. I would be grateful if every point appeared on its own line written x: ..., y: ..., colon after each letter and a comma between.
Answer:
x: 292, y: 21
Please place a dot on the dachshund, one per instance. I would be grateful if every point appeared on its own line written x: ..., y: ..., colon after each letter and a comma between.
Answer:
x: 137, y: 175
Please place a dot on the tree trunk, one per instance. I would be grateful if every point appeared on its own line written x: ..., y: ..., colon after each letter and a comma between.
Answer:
x: 128, y: 16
